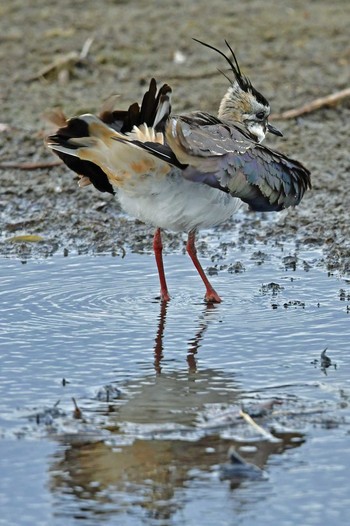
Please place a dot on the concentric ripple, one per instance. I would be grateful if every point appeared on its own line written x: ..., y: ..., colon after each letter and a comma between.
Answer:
x: 92, y: 319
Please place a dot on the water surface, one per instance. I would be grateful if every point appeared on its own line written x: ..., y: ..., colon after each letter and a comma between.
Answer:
x: 160, y: 390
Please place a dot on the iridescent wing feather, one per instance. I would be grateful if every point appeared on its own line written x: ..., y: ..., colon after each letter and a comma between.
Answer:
x: 224, y: 156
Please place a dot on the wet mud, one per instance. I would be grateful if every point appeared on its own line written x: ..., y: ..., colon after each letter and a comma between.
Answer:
x: 292, y: 54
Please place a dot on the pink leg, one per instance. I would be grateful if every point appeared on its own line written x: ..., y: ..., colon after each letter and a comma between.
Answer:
x: 210, y: 296
x: 158, y: 248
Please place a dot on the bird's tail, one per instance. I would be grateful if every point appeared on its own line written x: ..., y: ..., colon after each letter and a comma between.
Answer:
x: 97, y: 148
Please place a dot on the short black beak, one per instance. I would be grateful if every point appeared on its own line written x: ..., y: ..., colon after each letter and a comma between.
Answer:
x: 274, y: 130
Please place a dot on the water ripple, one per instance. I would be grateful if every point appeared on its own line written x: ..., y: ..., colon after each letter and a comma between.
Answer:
x: 96, y: 317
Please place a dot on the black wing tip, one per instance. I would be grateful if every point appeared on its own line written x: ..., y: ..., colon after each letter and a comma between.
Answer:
x: 76, y: 128
x: 124, y: 120
x: 87, y: 169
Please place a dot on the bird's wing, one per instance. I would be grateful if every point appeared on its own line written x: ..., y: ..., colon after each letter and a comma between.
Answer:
x: 265, y: 179
x: 196, y: 137
x: 154, y: 110
x: 224, y: 156
x: 86, y: 145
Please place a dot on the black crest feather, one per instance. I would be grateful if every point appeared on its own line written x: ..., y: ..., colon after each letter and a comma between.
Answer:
x: 243, y: 81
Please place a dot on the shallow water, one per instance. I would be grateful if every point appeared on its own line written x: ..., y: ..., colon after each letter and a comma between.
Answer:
x: 160, y: 391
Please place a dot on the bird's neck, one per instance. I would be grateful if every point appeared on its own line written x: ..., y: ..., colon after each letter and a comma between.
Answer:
x: 230, y: 108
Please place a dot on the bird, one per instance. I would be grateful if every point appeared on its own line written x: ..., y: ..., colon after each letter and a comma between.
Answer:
x: 238, y: 469
x: 183, y: 172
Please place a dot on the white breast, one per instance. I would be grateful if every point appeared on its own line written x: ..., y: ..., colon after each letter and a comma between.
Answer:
x: 173, y: 203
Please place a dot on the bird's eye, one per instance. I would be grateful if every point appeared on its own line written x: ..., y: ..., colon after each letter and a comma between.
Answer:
x: 260, y: 115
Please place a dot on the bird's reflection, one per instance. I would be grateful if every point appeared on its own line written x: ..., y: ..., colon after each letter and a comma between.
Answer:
x: 158, y: 343
x: 193, y: 343
x: 162, y: 440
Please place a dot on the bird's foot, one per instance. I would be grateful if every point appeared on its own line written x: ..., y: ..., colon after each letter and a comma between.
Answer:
x: 212, y: 297
x: 164, y: 295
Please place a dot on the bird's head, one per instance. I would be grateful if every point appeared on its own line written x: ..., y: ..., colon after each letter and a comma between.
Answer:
x: 242, y: 103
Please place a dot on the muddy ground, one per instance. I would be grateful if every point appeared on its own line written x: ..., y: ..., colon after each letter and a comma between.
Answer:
x: 292, y: 55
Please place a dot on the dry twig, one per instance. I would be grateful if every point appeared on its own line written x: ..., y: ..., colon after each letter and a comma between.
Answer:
x: 314, y: 105
x: 63, y: 66
x: 258, y: 428
x: 30, y: 165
